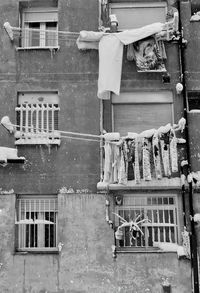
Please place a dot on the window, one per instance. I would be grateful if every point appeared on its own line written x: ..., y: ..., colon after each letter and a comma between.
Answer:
x: 160, y: 210
x: 132, y: 15
x: 195, y: 6
x: 37, y: 118
x: 194, y: 101
x: 39, y: 27
x: 36, y: 223
x: 139, y: 111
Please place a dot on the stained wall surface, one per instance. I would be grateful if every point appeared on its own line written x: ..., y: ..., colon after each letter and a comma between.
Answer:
x: 85, y: 263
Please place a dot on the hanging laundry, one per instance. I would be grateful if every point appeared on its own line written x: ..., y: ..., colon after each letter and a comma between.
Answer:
x: 89, y: 40
x: 164, y: 144
x: 146, y: 149
x: 162, y: 50
x: 186, y: 242
x: 156, y: 156
x: 137, y: 166
x: 147, y: 55
x: 123, y: 167
x: 116, y: 162
x: 111, y: 54
x: 108, y: 162
x: 173, y: 151
x: 130, y: 53
x: 131, y: 158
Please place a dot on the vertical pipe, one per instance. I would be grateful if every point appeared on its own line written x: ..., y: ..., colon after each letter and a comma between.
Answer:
x: 193, y: 240
x: 101, y: 140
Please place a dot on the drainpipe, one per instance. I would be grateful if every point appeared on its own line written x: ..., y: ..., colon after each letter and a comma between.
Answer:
x: 101, y: 140
x: 193, y: 239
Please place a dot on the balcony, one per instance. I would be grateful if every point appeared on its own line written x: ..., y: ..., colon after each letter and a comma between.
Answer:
x: 151, y: 159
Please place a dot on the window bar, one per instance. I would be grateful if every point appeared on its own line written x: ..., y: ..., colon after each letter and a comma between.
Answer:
x: 49, y: 237
x: 19, y: 226
x: 37, y: 107
x: 20, y: 112
x: 31, y: 120
x: 164, y: 228
x: 52, y: 121
x: 34, y: 227
x: 25, y: 36
x: 153, y: 230
x: 145, y: 234
x: 24, y: 227
x: 121, y: 213
x: 29, y: 228
x: 42, y: 34
x: 158, y: 226
x: 47, y: 118
x: 55, y: 224
x: 175, y: 225
x: 26, y: 119
x: 170, y: 234
x: 42, y: 119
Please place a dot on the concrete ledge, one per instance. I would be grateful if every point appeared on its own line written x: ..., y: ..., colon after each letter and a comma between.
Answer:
x: 165, y: 183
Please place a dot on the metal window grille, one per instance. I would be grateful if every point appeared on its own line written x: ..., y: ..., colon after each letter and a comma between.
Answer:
x: 37, y: 122
x: 36, y: 223
x: 161, y: 211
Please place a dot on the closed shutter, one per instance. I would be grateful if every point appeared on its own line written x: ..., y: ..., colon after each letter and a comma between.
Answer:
x: 135, y: 15
x: 40, y: 15
x: 141, y: 114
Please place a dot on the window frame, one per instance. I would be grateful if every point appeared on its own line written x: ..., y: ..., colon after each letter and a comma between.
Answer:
x: 141, y: 97
x: 24, y: 135
x: 36, y: 233
x: 38, y: 11
x: 140, y: 5
x: 178, y: 221
x: 193, y: 101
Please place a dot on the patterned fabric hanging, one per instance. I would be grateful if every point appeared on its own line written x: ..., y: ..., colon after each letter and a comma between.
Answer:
x: 173, y: 151
x: 131, y: 158
x: 123, y: 169
x: 108, y: 162
x: 156, y: 156
x: 146, y: 148
x: 137, y: 167
x: 116, y: 162
x: 186, y: 243
x: 164, y: 144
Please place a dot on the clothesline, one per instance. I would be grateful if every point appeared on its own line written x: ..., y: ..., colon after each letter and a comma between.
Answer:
x: 18, y: 29
x: 62, y: 35
x: 5, y: 121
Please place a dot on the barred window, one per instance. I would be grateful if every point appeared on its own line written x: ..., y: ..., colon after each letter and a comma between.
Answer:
x: 36, y: 223
x: 37, y: 118
x: 160, y: 210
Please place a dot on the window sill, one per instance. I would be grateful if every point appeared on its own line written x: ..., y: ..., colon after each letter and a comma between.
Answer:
x: 38, y: 48
x: 142, y: 250
x: 37, y: 141
x: 36, y: 251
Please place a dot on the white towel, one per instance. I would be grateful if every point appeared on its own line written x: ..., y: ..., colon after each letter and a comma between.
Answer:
x: 110, y: 66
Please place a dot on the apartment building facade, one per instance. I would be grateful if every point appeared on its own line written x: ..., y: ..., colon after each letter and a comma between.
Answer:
x: 97, y: 146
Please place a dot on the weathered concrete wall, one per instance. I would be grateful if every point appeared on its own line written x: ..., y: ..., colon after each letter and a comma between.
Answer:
x: 75, y: 164
x: 85, y: 263
x: 194, y: 139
